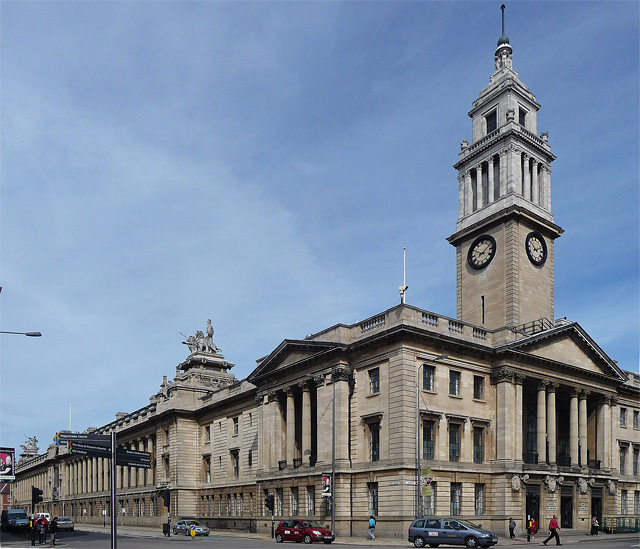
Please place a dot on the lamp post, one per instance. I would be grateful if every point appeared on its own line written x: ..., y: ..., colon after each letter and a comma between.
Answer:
x: 28, y: 334
x: 418, y: 476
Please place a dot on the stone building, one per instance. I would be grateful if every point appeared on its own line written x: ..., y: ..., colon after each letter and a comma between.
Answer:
x: 501, y: 412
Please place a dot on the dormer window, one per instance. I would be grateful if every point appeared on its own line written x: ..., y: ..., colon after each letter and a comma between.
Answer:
x: 492, y: 122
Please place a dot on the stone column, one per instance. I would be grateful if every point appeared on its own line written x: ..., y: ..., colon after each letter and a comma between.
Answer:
x: 141, y: 472
x: 535, y: 186
x: 582, y: 426
x: 466, y: 440
x: 491, y: 191
x: 519, y: 430
x: 504, y: 416
x: 541, y: 435
x: 271, y: 443
x: 526, y: 183
x: 468, y: 193
x: 601, y: 440
x: 291, y: 427
x: 442, y: 447
x: 100, y: 474
x: 306, y: 424
x: 479, y: 193
x: 461, y: 194
x: 545, y: 172
x: 517, y: 171
x: 573, y: 427
x: 503, y: 172
x: 341, y: 375
x: 94, y: 474
x: 551, y: 422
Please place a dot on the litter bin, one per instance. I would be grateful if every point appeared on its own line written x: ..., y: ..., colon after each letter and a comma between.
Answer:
x: 165, y: 528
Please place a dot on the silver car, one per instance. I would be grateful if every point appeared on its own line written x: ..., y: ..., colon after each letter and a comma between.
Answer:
x: 185, y: 527
x: 449, y: 531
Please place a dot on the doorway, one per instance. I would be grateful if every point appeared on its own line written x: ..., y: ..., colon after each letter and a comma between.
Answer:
x: 533, y: 503
x: 566, y: 507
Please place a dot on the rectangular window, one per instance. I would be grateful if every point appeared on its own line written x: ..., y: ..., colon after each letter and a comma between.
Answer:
x: 311, y: 501
x: 207, y: 434
x: 207, y: 469
x: 429, y: 502
x: 623, y: 502
x: 428, y: 439
x: 636, y: 419
x: 250, y: 458
x: 478, y: 387
x: 374, y: 381
x: 229, y: 505
x: 479, y: 499
x: 279, y: 494
x: 477, y: 444
x: 236, y: 425
x: 456, y: 489
x: 429, y: 378
x: 522, y: 116
x: 454, y: 442
x: 492, y: 121
x: 636, y: 502
x: 235, y: 462
x: 372, y: 488
x: 294, y: 501
x: 623, y: 456
x: 623, y: 417
x: 266, y: 511
x: 636, y: 456
x: 374, y: 441
x: 241, y: 504
x: 454, y: 383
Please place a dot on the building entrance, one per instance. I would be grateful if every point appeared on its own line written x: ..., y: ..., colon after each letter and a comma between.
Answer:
x: 566, y: 507
x: 596, y: 504
x: 533, y: 502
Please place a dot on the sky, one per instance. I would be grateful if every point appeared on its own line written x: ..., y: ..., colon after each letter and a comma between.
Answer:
x: 263, y: 164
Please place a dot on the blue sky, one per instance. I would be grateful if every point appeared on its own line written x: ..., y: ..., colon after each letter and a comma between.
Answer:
x: 263, y: 164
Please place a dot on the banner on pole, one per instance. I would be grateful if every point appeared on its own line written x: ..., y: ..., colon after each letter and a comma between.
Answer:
x: 326, y: 485
x: 425, y: 481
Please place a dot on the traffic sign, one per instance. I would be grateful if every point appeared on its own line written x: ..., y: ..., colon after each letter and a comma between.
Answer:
x: 124, y: 457
x: 89, y: 438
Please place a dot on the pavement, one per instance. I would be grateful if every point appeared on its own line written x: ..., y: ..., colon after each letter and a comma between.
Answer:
x: 566, y: 538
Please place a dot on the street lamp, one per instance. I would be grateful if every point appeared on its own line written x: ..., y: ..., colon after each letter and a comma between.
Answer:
x: 418, y: 477
x: 29, y: 334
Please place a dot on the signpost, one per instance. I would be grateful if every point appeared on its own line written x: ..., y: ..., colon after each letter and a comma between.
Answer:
x: 104, y: 446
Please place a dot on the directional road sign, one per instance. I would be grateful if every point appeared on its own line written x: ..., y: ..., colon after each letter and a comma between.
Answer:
x: 89, y: 438
x: 126, y: 458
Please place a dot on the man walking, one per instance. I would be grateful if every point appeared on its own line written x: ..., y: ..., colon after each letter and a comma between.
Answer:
x: 512, y: 528
x: 553, y: 530
x: 372, y: 528
x: 53, y: 528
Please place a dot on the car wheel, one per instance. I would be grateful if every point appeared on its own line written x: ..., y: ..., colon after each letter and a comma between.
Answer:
x: 419, y: 542
x: 471, y: 542
x: 308, y: 539
x: 279, y: 538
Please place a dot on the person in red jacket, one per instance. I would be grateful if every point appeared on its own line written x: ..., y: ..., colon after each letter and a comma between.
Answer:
x: 553, y: 531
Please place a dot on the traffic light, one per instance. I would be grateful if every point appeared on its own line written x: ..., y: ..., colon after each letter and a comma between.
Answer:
x: 36, y: 495
x: 166, y: 496
x: 269, y: 502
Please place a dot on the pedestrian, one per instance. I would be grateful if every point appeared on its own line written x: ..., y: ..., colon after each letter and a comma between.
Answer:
x: 594, y: 526
x: 372, y: 527
x: 45, y: 527
x: 534, y: 528
x: 40, y: 529
x: 53, y: 528
x: 553, y: 530
x: 512, y: 528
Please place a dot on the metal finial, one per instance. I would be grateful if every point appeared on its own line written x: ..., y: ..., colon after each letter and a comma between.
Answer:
x: 502, y: 8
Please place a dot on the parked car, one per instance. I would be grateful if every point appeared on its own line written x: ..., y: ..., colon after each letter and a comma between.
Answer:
x: 184, y: 527
x: 449, y: 531
x: 14, y: 519
x: 303, y: 530
x: 65, y: 523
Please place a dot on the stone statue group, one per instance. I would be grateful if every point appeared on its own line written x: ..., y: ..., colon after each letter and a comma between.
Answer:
x: 200, y: 342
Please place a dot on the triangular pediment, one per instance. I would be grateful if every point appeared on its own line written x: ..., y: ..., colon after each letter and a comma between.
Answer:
x: 288, y: 354
x: 568, y: 345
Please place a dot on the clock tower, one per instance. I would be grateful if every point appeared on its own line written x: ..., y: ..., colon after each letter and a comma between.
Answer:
x: 505, y: 233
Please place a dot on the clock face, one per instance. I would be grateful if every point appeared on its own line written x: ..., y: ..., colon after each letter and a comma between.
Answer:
x: 481, y: 252
x: 536, y: 248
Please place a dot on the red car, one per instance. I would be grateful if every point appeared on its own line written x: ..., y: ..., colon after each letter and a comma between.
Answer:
x: 303, y: 530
